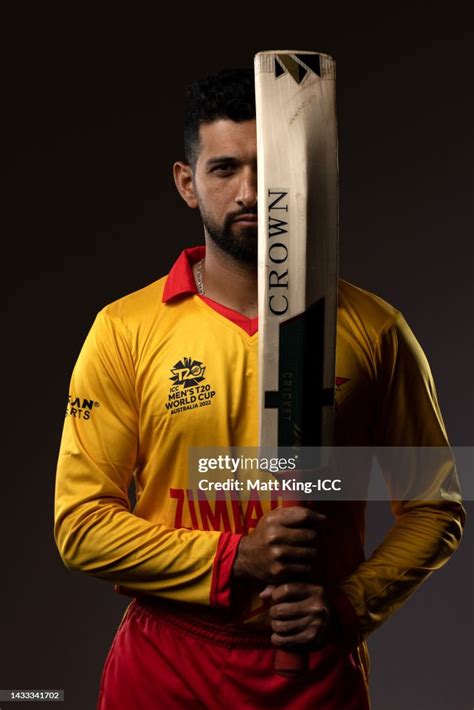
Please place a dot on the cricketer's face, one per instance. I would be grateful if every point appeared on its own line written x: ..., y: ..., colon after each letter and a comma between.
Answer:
x: 225, y: 185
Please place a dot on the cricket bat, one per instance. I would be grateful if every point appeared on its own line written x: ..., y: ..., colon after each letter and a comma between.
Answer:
x: 297, y: 255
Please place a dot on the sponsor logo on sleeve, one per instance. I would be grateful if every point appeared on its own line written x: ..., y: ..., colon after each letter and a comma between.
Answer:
x: 80, y: 407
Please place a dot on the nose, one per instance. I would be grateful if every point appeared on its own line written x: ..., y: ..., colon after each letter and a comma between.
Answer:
x: 247, y: 192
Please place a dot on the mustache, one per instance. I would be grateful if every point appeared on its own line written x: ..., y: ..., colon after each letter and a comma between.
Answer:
x: 236, y: 215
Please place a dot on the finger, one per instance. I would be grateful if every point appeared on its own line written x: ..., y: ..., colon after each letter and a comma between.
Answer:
x: 303, y: 638
x: 281, y: 534
x: 267, y: 592
x: 288, y: 564
x: 294, y: 591
x: 282, y: 572
x: 299, y: 555
x: 287, y: 612
x: 292, y: 627
x: 300, y: 516
x: 293, y: 612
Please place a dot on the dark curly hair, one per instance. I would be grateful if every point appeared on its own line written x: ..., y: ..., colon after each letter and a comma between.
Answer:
x: 229, y: 93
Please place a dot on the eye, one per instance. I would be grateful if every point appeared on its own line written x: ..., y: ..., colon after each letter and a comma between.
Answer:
x: 225, y: 168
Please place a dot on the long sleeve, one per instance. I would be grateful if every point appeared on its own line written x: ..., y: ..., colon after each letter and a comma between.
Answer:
x: 426, y: 500
x: 95, y: 529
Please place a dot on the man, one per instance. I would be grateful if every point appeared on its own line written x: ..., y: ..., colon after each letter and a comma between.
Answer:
x: 218, y: 585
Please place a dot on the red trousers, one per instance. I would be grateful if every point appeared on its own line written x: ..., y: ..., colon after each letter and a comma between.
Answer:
x: 159, y: 659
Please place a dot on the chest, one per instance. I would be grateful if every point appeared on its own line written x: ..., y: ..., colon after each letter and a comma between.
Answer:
x: 197, y: 382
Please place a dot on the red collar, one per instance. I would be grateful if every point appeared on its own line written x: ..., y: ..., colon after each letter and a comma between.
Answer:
x: 180, y: 279
x: 181, y: 282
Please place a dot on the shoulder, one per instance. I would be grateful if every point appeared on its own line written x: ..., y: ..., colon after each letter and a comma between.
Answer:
x: 138, y: 307
x: 369, y: 320
x: 126, y: 322
x: 365, y: 310
x: 365, y: 321
x: 379, y: 328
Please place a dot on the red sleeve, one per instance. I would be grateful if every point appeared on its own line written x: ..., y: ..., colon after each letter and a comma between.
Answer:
x: 223, y: 565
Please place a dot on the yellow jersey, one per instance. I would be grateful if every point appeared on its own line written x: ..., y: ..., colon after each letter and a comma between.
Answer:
x: 164, y: 369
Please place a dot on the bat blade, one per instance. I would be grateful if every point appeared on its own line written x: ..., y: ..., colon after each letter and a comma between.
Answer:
x: 297, y: 254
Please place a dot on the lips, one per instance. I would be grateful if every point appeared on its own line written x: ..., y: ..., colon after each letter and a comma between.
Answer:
x: 247, y: 218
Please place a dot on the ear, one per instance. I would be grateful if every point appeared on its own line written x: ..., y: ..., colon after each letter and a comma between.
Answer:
x: 183, y: 178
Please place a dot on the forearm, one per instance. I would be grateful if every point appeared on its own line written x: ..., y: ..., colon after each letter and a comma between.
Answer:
x: 422, y: 540
x: 104, y: 539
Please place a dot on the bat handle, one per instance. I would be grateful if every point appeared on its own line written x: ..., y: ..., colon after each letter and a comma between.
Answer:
x: 290, y: 663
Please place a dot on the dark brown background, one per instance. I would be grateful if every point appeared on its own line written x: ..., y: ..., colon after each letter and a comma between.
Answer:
x: 93, y: 123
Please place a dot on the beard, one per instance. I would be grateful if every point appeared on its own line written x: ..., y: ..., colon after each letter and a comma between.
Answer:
x: 241, y: 244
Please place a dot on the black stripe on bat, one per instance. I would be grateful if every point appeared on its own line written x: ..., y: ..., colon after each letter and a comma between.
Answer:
x: 301, y: 397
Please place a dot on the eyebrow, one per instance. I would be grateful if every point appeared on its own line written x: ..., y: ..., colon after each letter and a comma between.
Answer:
x: 221, y: 159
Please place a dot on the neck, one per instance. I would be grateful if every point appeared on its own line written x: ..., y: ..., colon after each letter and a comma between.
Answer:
x: 230, y: 282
